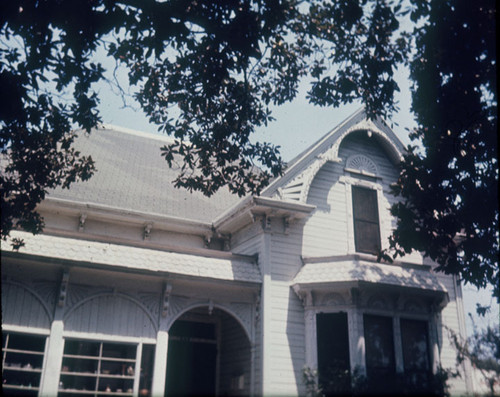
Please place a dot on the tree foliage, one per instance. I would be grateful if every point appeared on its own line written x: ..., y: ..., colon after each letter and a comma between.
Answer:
x: 208, y: 72
x: 482, y: 349
x: 449, y: 189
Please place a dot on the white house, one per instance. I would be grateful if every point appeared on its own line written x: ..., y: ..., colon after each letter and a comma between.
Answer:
x: 138, y: 288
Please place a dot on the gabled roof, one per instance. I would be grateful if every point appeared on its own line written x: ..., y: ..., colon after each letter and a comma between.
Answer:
x: 326, y: 149
x: 132, y: 175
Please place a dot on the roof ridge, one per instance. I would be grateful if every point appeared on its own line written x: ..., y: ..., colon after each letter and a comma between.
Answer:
x: 142, y: 134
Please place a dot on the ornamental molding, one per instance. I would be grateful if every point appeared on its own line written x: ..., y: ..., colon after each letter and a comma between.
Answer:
x: 362, y: 164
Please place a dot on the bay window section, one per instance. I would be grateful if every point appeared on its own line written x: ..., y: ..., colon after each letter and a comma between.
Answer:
x: 415, y: 344
x: 333, y: 353
x: 379, y: 345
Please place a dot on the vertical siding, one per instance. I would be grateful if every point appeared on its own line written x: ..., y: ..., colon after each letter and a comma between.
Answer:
x: 110, y: 314
x: 20, y: 306
x: 234, y: 357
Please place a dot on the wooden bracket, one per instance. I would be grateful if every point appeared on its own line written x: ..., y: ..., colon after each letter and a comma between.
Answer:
x: 81, y: 222
x: 166, y: 295
x: 63, y: 289
x: 147, y: 231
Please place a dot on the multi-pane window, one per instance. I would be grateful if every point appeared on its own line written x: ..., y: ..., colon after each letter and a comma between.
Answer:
x: 379, y: 344
x: 335, y: 377
x: 366, y: 220
x: 22, y: 361
x: 333, y: 353
x: 105, y: 368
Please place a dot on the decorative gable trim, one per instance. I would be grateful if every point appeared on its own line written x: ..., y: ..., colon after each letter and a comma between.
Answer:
x: 361, y: 164
x: 295, y: 184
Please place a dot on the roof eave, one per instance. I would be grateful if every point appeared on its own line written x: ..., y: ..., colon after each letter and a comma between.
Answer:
x: 245, y: 213
x: 112, y: 214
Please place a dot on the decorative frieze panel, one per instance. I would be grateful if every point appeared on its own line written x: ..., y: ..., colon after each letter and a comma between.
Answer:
x: 151, y: 302
x: 76, y: 293
x: 23, y: 306
x: 332, y: 299
x: 243, y: 311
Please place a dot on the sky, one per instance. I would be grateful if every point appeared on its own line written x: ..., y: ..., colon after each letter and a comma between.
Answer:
x: 298, y: 125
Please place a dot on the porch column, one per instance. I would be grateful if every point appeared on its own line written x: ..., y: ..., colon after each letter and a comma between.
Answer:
x: 311, y: 338
x: 160, y: 364
x: 398, y: 348
x: 266, y: 299
x: 356, y: 335
x: 49, y: 383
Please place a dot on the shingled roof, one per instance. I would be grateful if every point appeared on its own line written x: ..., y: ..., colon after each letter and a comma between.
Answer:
x: 132, y: 175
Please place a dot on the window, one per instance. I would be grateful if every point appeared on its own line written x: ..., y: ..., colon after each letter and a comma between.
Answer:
x: 94, y: 368
x: 415, y: 350
x: 333, y: 353
x: 379, y: 343
x: 22, y: 360
x: 366, y: 222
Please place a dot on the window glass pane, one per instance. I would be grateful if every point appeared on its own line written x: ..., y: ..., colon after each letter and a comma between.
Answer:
x: 366, y: 224
x: 147, y: 363
x: 379, y: 344
x: 333, y: 353
x: 365, y: 204
x: 366, y: 237
x: 415, y: 345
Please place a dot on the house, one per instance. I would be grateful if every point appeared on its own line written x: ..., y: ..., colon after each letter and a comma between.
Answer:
x: 138, y: 288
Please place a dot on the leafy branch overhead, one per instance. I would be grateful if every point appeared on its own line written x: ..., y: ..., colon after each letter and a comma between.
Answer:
x: 207, y: 73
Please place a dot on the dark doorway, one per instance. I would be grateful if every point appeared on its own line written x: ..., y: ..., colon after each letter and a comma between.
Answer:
x: 191, y: 363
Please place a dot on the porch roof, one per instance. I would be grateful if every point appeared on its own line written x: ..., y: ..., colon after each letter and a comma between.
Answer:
x: 122, y: 257
x: 346, y: 269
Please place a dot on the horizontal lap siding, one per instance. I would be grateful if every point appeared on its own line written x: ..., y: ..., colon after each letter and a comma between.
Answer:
x: 287, y: 315
x: 450, y: 319
x: 248, y: 241
x: 287, y: 338
x: 326, y: 231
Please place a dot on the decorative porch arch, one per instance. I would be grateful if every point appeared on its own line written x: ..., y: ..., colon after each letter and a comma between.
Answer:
x: 242, y: 313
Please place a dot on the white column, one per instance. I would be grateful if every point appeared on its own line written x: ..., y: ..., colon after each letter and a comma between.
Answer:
x: 266, y: 345
x: 356, y: 337
x: 49, y: 384
x: 311, y: 337
x: 434, y: 342
x: 160, y: 364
